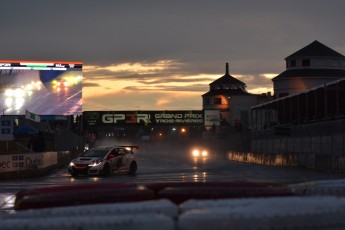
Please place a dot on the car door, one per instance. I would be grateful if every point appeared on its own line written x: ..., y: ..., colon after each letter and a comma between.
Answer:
x: 127, y: 159
x: 112, y: 159
x: 121, y: 152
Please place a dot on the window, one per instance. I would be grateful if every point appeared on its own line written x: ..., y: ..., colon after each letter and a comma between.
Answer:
x: 306, y: 62
x: 217, y: 101
x: 293, y: 63
x: 121, y: 151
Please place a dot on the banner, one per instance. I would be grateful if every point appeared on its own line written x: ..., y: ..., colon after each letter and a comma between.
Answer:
x: 143, y: 118
x: 212, y: 117
x: 31, y: 116
x: 25, y: 161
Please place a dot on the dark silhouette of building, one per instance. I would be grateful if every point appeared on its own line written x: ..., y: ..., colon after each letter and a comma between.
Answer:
x: 311, y: 66
x: 228, y: 95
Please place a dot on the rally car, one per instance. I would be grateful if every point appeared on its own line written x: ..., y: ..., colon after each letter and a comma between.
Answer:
x: 104, y: 160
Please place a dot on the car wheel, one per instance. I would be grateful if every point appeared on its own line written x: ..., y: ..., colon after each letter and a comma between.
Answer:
x: 133, y: 168
x: 106, y: 170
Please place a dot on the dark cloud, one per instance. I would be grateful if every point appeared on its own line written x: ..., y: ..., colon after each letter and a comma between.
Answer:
x: 200, y: 36
x: 203, y: 34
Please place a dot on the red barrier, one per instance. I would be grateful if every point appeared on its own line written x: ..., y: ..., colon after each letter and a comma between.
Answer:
x: 63, y: 188
x: 79, y: 196
x: 179, y: 195
x: 230, y: 184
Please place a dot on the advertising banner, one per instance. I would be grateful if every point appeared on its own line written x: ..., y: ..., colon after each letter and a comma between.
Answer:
x: 143, y: 118
x: 212, y: 117
x: 25, y: 161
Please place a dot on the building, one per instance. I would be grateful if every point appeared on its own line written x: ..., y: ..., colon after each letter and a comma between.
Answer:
x: 310, y: 90
x: 304, y: 126
x: 228, y: 95
x: 309, y: 67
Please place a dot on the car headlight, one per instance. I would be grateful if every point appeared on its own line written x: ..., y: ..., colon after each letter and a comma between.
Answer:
x: 195, y: 153
x: 96, y: 162
x: 204, y: 153
x: 71, y: 164
x: 199, y: 153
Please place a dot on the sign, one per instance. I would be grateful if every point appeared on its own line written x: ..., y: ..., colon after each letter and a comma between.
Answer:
x: 25, y: 161
x: 212, y: 117
x: 31, y: 116
x: 143, y: 118
x: 6, y: 129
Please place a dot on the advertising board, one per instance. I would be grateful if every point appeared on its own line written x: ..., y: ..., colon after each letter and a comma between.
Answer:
x: 143, y: 118
x: 26, y: 161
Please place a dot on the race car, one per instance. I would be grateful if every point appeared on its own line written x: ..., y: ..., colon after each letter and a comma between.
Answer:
x: 104, y: 160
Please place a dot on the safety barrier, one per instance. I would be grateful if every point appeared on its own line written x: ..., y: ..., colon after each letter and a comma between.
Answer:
x: 84, y: 194
x: 269, y: 213
x: 293, y: 212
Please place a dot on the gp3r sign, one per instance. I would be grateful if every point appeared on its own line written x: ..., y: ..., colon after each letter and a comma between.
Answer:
x: 143, y: 118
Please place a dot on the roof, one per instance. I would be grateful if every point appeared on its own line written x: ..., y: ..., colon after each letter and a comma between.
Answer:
x: 299, y: 93
x: 227, y: 79
x: 322, y: 73
x: 228, y: 92
x: 316, y: 49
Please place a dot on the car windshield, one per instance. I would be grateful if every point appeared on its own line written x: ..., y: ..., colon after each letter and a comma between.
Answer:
x: 95, y: 153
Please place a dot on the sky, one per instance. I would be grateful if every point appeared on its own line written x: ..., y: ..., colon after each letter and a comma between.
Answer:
x: 163, y: 54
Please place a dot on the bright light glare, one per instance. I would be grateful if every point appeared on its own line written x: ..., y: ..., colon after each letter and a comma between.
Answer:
x: 196, y: 153
x: 8, y: 102
x: 29, y: 87
x: 19, y: 92
x: 9, y: 93
x: 19, y: 103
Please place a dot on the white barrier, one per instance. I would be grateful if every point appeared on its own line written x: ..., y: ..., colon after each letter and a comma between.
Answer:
x: 264, y: 213
x: 165, y: 207
x: 118, y: 222
x: 323, y: 187
x: 26, y: 161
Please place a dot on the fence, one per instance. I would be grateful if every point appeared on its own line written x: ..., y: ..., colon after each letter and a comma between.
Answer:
x: 317, y: 145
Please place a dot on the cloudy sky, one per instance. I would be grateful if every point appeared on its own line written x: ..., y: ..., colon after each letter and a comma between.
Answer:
x: 162, y: 54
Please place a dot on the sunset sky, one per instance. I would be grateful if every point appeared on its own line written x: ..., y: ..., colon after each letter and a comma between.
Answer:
x: 162, y: 55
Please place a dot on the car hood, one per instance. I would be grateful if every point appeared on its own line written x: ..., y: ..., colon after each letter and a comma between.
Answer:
x: 86, y: 160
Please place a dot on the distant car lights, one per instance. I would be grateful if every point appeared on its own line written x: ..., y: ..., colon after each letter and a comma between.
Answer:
x: 66, y: 82
x: 15, y: 97
x: 199, y: 153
